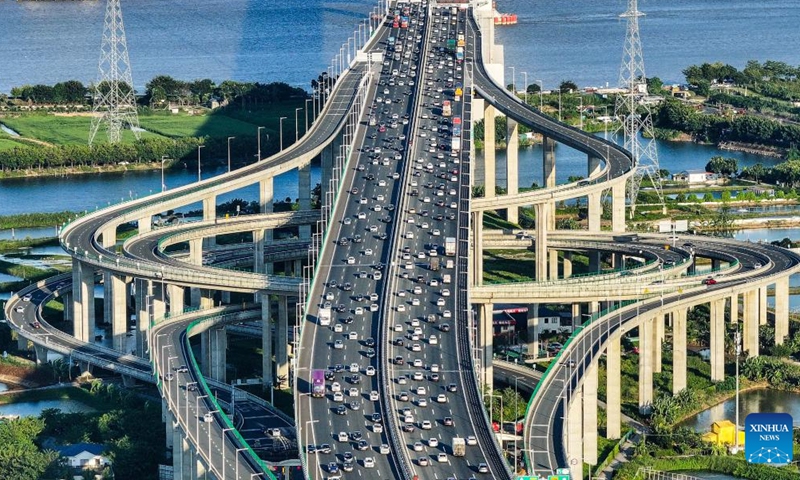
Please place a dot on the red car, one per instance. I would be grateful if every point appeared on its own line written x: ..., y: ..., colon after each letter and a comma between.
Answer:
x: 709, y: 281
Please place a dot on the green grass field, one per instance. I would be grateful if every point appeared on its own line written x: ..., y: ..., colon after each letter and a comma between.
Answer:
x: 58, y: 130
x: 234, y: 121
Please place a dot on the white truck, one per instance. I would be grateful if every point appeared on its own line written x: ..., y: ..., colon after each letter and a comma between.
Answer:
x: 455, y: 145
x: 324, y: 316
x: 446, y: 278
x: 450, y: 246
x: 459, y: 447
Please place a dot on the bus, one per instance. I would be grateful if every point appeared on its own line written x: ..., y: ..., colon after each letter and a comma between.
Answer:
x: 318, y: 383
x: 403, y: 22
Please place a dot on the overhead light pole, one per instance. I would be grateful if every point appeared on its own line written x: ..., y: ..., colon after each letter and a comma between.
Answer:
x: 163, y: 185
x: 259, y: 142
x: 229, y: 153
x: 296, y: 124
x: 198, y: 162
x: 513, y: 80
x: 541, y: 91
x: 525, y: 76
x: 281, y: 131
x: 307, y: 100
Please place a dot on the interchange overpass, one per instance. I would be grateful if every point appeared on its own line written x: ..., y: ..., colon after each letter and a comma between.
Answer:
x: 162, y: 283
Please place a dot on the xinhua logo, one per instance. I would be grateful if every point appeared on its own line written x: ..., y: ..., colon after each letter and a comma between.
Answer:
x: 768, y: 438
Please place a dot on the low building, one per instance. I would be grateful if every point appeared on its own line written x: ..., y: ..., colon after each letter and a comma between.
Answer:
x: 695, y: 176
x: 84, y: 456
x: 545, y: 320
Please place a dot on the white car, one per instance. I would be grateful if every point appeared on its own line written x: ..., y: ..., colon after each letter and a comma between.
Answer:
x: 351, y: 260
x: 433, y: 442
x: 442, y: 457
x: 338, y: 345
x: 336, y: 387
x: 368, y: 252
x: 361, y: 215
x: 433, y: 340
x: 445, y: 292
x: 354, y: 368
x: 441, y: 398
x: 422, y: 402
x: 447, y: 314
x: 418, y: 446
x: 374, y: 396
x: 338, y: 397
x: 422, y: 390
x: 471, y: 440
x: 426, y: 425
x: 208, y: 417
x: 370, y: 371
x: 369, y: 462
x: 435, y: 368
x: 377, y: 428
x: 440, y: 302
x: 384, y: 449
x: 401, y: 308
x: 416, y: 347
x: 338, y: 328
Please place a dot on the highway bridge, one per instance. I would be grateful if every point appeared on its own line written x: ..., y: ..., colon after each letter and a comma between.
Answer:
x: 392, y: 347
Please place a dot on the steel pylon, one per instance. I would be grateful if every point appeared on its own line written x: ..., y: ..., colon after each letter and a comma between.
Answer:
x: 632, y: 109
x: 114, y: 103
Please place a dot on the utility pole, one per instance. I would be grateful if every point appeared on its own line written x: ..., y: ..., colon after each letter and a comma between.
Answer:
x: 632, y: 109
x: 229, y: 153
x: 114, y: 102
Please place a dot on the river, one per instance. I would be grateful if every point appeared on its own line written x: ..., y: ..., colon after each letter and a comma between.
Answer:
x: 753, y: 401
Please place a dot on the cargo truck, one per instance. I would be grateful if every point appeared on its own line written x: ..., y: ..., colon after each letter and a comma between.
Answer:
x: 324, y: 316
x: 455, y: 145
x: 460, y: 54
x: 446, y: 278
x: 450, y: 246
x: 459, y: 447
x: 434, y: 264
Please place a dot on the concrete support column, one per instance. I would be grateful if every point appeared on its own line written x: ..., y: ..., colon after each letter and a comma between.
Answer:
x: 781, y: 310
x: 206, y: 298
x: 326, y: 168
x: 715, y: 263
x: 762, y: 305
x: 82, y: 300
x: 266, y: 193
x: 542, y: 214
x: 66, y: 299
x: 678, y: 350
x: 143, y: 309
x: 750, y: 320
x: 210, y: 208
x: 660, y: 334
x: 225, y: 297
x: 167, y: 418
x: 595, y: 211
x: 589, y: 388
x: 489, y: 146
x: 175, y: 294
x: 477, y: 248
x: 304, y: 181
x: 205, y: 353
x: 266, y: 339
x: 734, y: 311
x: 647, y: 342
x: 594, y: 164
x: 116, y: 292
x: 485, y: 334
x: 575, y: 439
x: 553, y: 254
x: 567, y: 262
x: 159, y: 302
x: 282, y: 341
x: 196, y: 251
x: 188, y: 459
x: 548, y: 162
x: 618, y: 207
x: 512, y: 166
x: 219, y: 353
x: 576, y: 315
x: 717, y: 346
x: 614, y: 389
x: 532, y: 331
x: 145, y: 224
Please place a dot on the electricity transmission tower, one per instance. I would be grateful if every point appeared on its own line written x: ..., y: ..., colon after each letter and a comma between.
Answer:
x: 632, y: 108
x: 114, y: 103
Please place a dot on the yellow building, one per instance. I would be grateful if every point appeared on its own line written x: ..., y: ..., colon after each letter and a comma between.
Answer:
x: 723, y: 433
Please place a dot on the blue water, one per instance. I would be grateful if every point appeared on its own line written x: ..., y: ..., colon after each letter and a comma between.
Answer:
x: 33, y: 409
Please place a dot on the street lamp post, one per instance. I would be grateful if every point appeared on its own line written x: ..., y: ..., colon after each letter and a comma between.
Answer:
x: 197, y: 418
x: 223, y: 451
x: 541, y: 90
x: 229, y: 153
x: 516, y: 409
x: 281, y: 131
x: 306, y: 109
x: 237, y: 461
x: 186, y: 406
x: 513, y: 80
x: 259, y: 142
x: 163, y: 185
x: 208, y: 427
x: 198, y: 161
x: 296, y: 125
x: 316, y: 470
x: 525, y: 81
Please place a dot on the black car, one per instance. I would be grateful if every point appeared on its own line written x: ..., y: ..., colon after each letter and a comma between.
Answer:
x: 355, y: 379
x: 369, y: 342
x: 340, y: 410
x: 362, y: 445
x: 452, y: 388
x: 347, y: 320
x: 408, y: 427
x: 445, y: 327
x: 356, y: 436
x: 347, y: 287
x: 376, y: 417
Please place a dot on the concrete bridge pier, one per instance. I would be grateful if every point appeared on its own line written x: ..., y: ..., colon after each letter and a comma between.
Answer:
x: 266, y: 339
x: 750, y: 320
x: 145, y: 224
x: 762, y: 305
x: 574, y: 432
x: 116, y: 307
x: 83, y: 313
x: 66, y: 300
x: 734, y: 308
x: 543, y: 213
x: 175, y: 298
x: 282, y: 340
x: 169, y: 420
x: 40, y: 352
x: 647, y: 343
x: 567, y: 264
x: 266, y: 197
x: 143, y: 290
x: 304, y: 181
x: 660, y: 334
x: 159, y: 302
x: 489, y: 146
x: 717, y: 346
x: 549, y: 175
x: 618, y: 207
x: 218, y: 353
x: 781, y: 310
x: 210, y: 214
x: 22, y: 343
x: 614, y: 389
x: 553, y: 257
x: 512, y: 166
x: 678, y: 350
x: 589, y: 388
x: 181, y: 454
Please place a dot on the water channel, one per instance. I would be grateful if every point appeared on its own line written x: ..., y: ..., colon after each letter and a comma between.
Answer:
x: 753, y: 401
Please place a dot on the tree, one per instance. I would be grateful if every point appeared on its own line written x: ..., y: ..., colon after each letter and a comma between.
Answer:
x: 722, y: 166
x: 654, y: 85
x: 567, y: 224
x: 533, y: 88
x: 755, y: 172
x: 568, y: 86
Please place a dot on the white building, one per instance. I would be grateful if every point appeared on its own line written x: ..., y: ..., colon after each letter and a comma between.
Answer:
x: 84, y: 456
x: 695, y: 176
